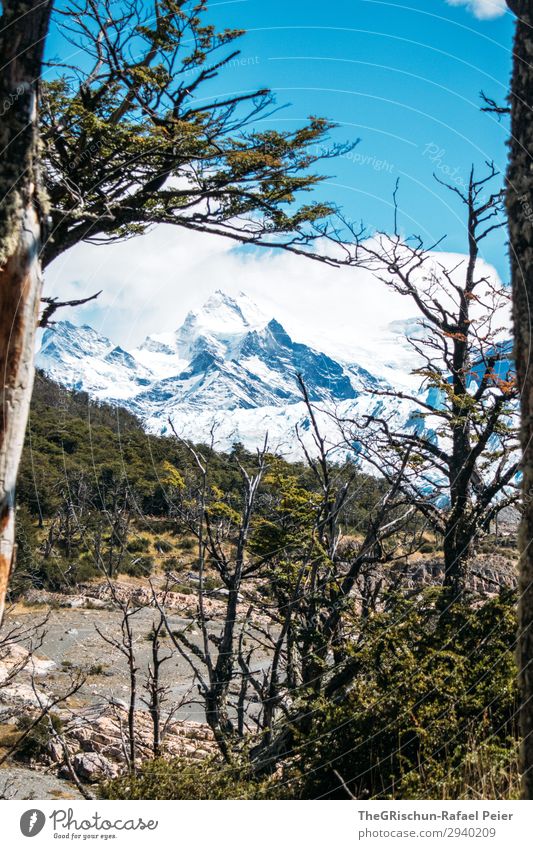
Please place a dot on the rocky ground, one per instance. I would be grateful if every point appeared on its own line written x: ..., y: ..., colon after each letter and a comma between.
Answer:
x: 489, y: 573
x: 22, y: 782
x: 91, y: 738
x: 72, y: 644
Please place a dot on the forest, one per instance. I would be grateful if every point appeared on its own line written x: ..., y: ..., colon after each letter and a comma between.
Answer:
x: 329, y: 660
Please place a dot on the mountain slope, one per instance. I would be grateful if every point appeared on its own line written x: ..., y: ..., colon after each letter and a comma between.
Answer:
x: 228, y: 370
x: 227, y: 361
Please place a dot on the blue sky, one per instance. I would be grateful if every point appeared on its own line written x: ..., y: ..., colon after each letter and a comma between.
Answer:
x: 405, y: 77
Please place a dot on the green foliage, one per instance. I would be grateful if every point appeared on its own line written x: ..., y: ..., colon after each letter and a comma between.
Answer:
x: 212, y: 583
x: 96, y: 669
x: 138, y: 544
x: 185, y: 589
x: 430, y: 714
x: 138, y: 567
x: 181, y: 779
x: 164, y: 149
x: 431, y: 711
x: 286, y: 532
x: 170, y: 476
x: 89, y: 475
x: 27, y: 563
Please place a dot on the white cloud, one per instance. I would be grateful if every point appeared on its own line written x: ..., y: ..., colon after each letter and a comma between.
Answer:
x: 483, y: 9
x: 151, y: 282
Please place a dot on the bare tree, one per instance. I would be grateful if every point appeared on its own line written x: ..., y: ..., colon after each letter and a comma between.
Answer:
x: 324, y: 588
x: 157, y: 692
x: 125, y: 644
x: 458, y: 450
x: 222, y: 533
x: 520, y: 212
x: 278, y: 546
x: 19, y: 644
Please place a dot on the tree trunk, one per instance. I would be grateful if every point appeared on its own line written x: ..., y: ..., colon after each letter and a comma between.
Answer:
x: 520, y: 210
x: 23, y: 28
x: 457, y: 547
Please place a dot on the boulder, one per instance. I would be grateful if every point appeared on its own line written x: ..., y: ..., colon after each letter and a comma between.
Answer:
x: 15, y: 657
x: 55, y: 751
x: 93, y: 767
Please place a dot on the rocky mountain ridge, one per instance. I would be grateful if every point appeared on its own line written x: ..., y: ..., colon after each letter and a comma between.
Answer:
x: 228, y: 369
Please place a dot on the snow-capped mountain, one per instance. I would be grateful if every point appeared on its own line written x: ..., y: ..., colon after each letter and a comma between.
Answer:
x: 228, y: 366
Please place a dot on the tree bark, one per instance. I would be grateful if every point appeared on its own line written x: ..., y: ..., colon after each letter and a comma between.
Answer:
x: 520, y: 211
x: 23, y: 28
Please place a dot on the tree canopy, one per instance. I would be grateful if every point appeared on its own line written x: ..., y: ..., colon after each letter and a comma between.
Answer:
x: 135, y: 135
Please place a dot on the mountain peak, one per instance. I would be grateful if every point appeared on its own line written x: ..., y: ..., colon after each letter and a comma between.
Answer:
x: 224, y: 314
x: 226, y: 356
x: 219, y: 325
x: 71, y: 338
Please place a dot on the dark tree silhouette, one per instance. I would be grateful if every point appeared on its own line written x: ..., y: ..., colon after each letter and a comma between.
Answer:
x: 520, y: 211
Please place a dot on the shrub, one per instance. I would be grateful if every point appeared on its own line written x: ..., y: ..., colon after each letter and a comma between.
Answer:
x: 34, y: 745
x: 430, y: 713
x: 85, y: 570
x: 57, y: 574
x: 174, y: 564
x: 184, y: 589
x: 181, y: 779
x: 96, y: 669
x: 163, y: 634
x: 138, y: 567
x: 138, y: 544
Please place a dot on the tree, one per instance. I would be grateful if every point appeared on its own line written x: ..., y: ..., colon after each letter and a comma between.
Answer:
x: 326, y: 579
x: 520, y: 212
x: 459, y: 451
x: 157, y: 692
x: 139, y: 138
x: 23, y: 27
x: 125, y: 644
x: 293, y: 591
x: 222, y: 533
x: 134, y: 140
